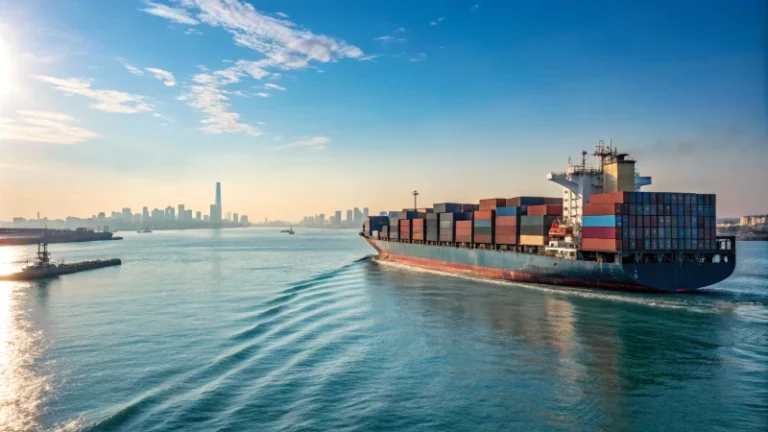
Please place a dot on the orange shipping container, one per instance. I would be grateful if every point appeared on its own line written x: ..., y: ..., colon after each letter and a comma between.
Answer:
x: 601, y: 209
x: 600, y: 245
x: 546, y: 210
x: 484, y: 214
x: 492, y: 203
x: 609, y: 198
x: 506, y: 239
x: 533, y: 240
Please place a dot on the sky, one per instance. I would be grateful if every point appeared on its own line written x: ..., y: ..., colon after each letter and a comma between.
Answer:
x: 306, y: 107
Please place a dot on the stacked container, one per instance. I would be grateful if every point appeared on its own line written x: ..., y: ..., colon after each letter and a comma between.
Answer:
x: 417, y: 228
x: 492, y: 203
x: 448, y: 225
x: 483, y: 226
x: 405, y: 229
x: 394, y: 228
x: 384, y: 233
x: 448, y: 207
x: 507, y: 225
x: 433, y: 227
x: 534, y: 229
x: 546, y: 210
x: 463, y: 231
x: 525, y: 201
x: 374, y: 223
x: 650, y: 221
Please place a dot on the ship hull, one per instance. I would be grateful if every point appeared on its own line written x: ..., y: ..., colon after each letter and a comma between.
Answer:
x: 523, y: 267
x: 54, y: 271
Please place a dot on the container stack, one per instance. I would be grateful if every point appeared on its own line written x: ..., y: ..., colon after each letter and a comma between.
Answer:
x: 374, y: 223
x: 534, y: 229
x: 507, y: 225
x: 384, y: 233
x: 546, y: 210
x: 433, y: 227
x: 483, y: 226
x: 417, y: 228
x: 463, y: 231
x: 649, y: 221
x: 492, y: 203
x: 405, y: 229
x: 448, y: 225
x: 394, y: 228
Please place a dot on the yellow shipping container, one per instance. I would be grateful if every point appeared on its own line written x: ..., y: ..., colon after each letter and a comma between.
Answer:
x: 533, y: 240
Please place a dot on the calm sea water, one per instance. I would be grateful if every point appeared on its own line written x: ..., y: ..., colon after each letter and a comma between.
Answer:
x: 254, y: 330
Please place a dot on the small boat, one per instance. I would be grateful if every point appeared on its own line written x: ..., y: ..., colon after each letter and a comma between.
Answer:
x: 44, y: 268
x: 288, y: 231
x: 145, y: 230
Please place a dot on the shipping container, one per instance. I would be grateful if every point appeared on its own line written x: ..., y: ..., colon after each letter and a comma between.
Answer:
x: 507, y: 221
x: 448, y: 207
x: 546, y: 209
x: 505, y: 239
x: 433, y: 227
x: 510, y: 211
x: 524, y: 201
x: 483, y: 238
x: 600, y: 221
x: 552, y: 201
x: 405, y: 229
x: 492, y: 203
x: 374, y: 223
x: 600, y: 245
x: 534, y: 240
x: 410, y: 214
x: 610, y: 198
x: 601, y: 232
x: 605, y: 209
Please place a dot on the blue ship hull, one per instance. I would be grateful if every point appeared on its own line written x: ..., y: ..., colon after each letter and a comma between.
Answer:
x: 525, y: 267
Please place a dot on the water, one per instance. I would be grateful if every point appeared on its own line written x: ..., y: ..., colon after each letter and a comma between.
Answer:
x: 255, y: 330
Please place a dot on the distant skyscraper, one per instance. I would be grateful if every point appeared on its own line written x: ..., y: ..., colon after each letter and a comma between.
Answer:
x: 145, y: 215
x: 365, y: 212
x: 206, y: 218
x: 127, y: 215
x: 182, y: 212
x: 244, y: 220
x: 157, y: 215
x: 349, y: 216
x: 383, y: 213
x: 198, y: 216
x: 213, y: 211
x: 218, y: 202
x: 358, y: 216
x: 102, y: 215
x: 337, y: 217
x: 229, y: 216
x: 235, y: 218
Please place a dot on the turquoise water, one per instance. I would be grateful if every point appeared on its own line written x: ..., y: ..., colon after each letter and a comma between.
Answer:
x: 255, y: 330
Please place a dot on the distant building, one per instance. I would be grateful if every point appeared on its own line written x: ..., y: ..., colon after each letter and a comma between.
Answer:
x: 357, y: 216
x: 228, y: 216
x: 206, y: 218
x: 137, y: 218
x: 101, y: 216
x: 182, y: 212
x: 144, y: 215
x: 337, y: 217
x: 244, y: 220
x: 158, y: 215
x: 198, y: 216
x: 235, y: 218
x: 170, y: 213
x: 753, y: 221
x: 213, y: 213
x: 365, y: 212
x: 349, y: 216
x: 216, y: 216
x: 382, y: 213
x: 127, y: 214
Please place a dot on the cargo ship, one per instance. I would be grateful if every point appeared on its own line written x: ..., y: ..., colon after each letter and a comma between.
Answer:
x: 25, y: 236
x: 604, y: 232
x: 43, y: 268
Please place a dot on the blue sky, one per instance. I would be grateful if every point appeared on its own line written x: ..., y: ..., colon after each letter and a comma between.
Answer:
x: 300, y: 107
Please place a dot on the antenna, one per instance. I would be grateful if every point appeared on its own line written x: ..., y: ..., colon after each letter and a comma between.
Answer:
x: 415, y: 194
x: 584, y: 158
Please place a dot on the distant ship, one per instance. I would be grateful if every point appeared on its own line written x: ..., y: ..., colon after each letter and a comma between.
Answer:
x: 288, y: 231
x: 43, y: 267
x: 145, y: 230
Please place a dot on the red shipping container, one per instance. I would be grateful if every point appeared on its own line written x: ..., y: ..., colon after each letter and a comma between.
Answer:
x: 418, y: 236
x: 507, y: 220
x: 484, y: 214
x: 506, y: 239
x: 506, y: 230
x: 609, y: 198
x: 463, y: 238
x: 484, y: 238
x: 545, y: 210
x: 492, y: 203
x: 600, y: 209
x: 600, y: 232
x: 600, y: 245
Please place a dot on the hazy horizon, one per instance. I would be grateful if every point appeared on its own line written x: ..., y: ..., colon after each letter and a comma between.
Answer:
x: 306, y: 108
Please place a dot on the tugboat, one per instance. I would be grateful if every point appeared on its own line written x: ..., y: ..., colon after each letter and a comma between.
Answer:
x: 44, y: 268
x: 288, y: 231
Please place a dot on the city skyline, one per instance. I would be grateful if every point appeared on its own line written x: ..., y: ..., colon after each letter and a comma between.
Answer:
x: 113, y: 104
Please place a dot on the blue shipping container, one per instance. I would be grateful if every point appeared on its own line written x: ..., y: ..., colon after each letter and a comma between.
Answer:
x: 600, y: 221
x: 448, y: 207
x: 510, y: 211
x: 485, y: 223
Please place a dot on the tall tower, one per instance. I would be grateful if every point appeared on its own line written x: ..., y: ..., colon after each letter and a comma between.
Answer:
x: 218, y: 201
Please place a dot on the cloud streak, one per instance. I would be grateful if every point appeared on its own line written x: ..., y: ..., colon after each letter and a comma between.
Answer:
x: 43, y: 126
x: 163, y: 75
x: 177, y: 15
x: 315, y: 143
x: 417, y: 57
x: 437, y: 21
x: 113, y: 101
x: 274, y: 86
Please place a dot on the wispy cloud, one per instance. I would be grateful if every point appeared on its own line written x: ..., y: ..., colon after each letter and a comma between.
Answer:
x: 400, y: 30
x: 133, y: 69
x: 282, y: 15
x: 437, y: 21
x: 389, y: 39
x: 262, y: 94
x: 106, y: 100
x: 474, y: 8
x: 163, y: 75
x: 42, y: 126
x: 369, y: 57
x: 417, y: 57
x: 178, y: 15
x: 315, y: 143
x: 207, y: 96
x: 274, y: 86
x: 193, y: 31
